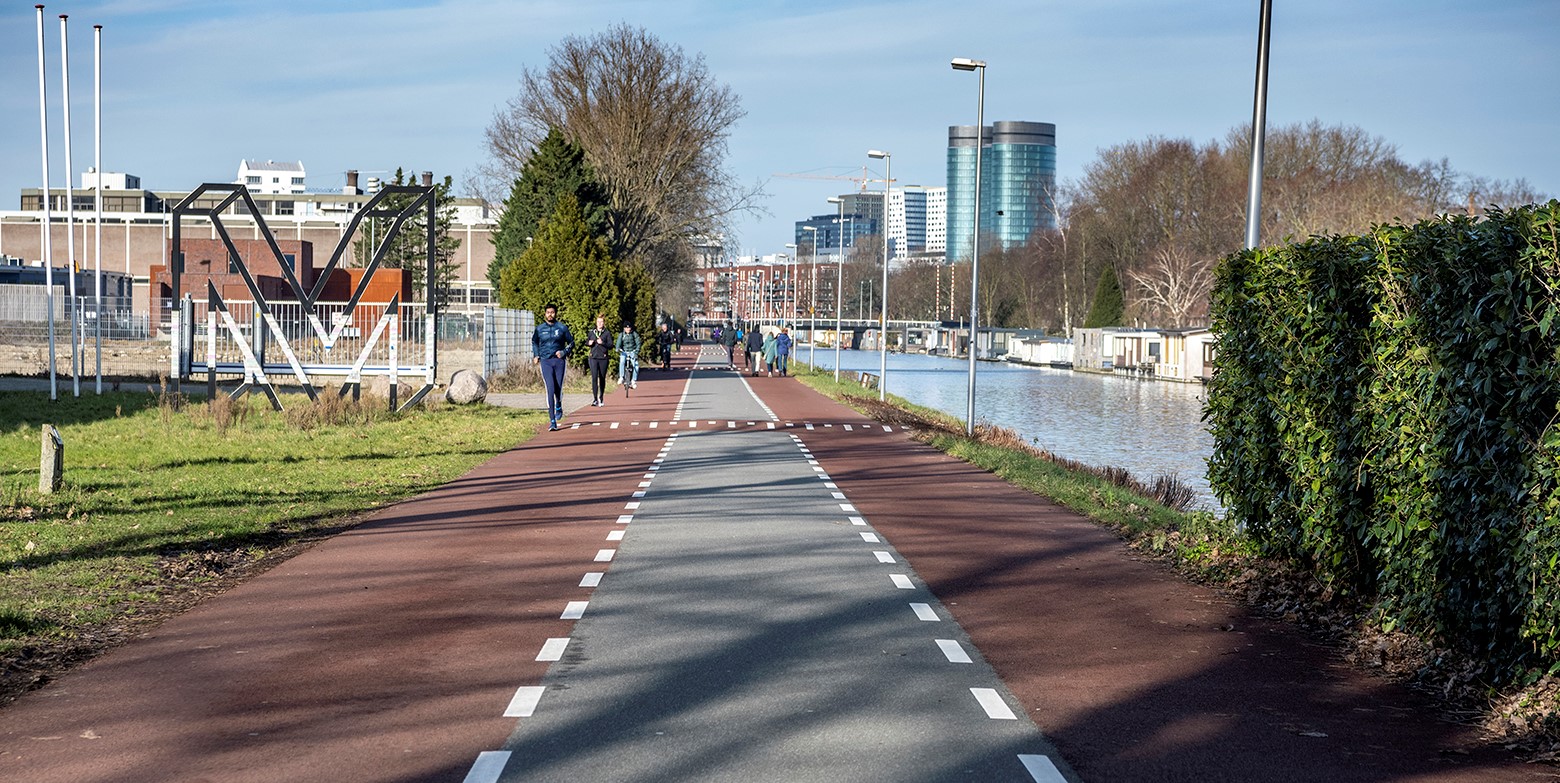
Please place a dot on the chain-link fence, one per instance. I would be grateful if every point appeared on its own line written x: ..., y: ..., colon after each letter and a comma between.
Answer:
x: 506, y: 339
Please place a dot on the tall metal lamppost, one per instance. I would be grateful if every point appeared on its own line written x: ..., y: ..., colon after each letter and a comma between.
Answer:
x: 812, y: 297
x: 839, y: 287
x: 966, y: 64
x: 888, y: 190
x: 780, y: 308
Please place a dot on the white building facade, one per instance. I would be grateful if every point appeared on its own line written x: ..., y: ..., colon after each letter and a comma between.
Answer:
x: 271, y: 177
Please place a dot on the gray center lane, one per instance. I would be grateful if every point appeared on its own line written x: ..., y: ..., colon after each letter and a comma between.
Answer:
x: 747, y: 630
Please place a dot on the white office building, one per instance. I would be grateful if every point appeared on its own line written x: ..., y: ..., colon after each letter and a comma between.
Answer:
x: 269, y: 176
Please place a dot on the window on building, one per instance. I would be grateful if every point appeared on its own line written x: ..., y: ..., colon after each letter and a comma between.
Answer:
x: 252, y: 179
x: 284, y: 207
x: 276, y: 180
x: 290, y: 261
x: 297, y: 180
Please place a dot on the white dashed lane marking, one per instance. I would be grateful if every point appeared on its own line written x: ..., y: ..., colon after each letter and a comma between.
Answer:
x: 902, y: 582
x: 857, y: 521
x: 925, y: 613
x: 592, y: 579
x: 992, y: 703
x: 954, y: 653
x: 616, y: 535
x: 552, y: 649
x: 488, y: 766
x: 576, y: 609
x: 870, y: 538
x: 883, y: 557
x: 624, y: 519
x: 1041, y: 768
x: 523, y: 705
x: 604, y: 555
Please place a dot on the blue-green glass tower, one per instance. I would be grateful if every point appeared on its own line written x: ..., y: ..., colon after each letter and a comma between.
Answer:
x: 1018, y: 180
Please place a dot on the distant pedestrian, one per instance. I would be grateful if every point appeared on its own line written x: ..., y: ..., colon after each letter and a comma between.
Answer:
x: 677, y: 337
x: 627, y: 346
x: 783, y: 348
x: 551, y: 344
x: 755, y: 348
x: 598, y: 339
x: 728, y: 339
x: 769, y: 350
x: 663, y: 341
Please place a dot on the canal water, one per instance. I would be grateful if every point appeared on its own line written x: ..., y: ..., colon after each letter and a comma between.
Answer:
x: 1148, y: 427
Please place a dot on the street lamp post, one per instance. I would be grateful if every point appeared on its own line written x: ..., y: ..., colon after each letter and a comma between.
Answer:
x: 966, y: 64
x: 780, y: 309
x: 812, y: 297
x: 839, y: 286
x: 888, y: 190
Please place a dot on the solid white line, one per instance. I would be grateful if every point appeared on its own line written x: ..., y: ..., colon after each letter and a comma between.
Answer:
x: 902, y: 582
x: 616, y: 535
x: 633, y: 505
x: 592, y: 579
x: 924, y: 611
x: 954, y: 653
x: 523, y: 705
x: 884, y: 557
x: 857, y: 521
x: 552, y: 649
x: 995, y: 707
x: 576, y: 609
x: 604, y: 555
x: 488, y: 766
x: 846, y: 507
x: 1041, y: 769
x: 870, y: 538
x: 687, y: 386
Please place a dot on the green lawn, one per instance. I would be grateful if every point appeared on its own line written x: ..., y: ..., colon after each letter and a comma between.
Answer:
x: 158, y: 502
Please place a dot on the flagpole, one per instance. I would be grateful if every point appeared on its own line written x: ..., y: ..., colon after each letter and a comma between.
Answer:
x: 45, y: 241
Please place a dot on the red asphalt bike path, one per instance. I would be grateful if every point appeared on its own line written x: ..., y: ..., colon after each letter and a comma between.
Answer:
x: 1125, y: 666
x: 387, y: 653
x: 390, y: 652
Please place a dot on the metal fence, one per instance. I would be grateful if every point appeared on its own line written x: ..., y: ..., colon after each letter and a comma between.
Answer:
x: 323, y: 339
x: 506, y: 338
x: 24, y: 315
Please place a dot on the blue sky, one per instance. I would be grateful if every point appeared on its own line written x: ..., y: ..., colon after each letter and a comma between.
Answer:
x: 190, y: 88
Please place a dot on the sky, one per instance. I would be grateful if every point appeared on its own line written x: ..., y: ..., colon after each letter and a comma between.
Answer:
x: 191, y: 88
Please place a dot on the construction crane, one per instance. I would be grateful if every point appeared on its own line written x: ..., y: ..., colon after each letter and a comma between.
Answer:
x: 861, y: 181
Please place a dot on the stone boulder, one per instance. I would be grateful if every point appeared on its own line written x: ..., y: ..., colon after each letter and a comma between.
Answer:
x: 466, y: 387
x: 379, y: 386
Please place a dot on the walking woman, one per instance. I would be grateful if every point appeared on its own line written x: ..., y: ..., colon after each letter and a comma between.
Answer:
x: 598, y: 339
x: 769, y: 350
x: 783, y: 347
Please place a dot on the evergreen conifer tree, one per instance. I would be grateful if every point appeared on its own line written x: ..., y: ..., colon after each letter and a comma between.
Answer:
x: 569, y: 266
x: 1108, y: 308
x: 555, y: 168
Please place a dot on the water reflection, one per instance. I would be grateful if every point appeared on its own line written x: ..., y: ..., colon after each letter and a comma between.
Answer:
x: 1147, y: 427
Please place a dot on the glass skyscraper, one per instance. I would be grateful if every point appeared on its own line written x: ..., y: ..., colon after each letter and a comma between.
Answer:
x: 1018, y: 180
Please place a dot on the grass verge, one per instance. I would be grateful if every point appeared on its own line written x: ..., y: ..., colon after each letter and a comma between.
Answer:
x: 167, y: 500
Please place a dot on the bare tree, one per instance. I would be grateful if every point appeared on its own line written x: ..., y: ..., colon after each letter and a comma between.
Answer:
x: 653, y: 123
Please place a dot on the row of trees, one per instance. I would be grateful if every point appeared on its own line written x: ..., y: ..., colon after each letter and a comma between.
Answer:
x: 1150, y: 218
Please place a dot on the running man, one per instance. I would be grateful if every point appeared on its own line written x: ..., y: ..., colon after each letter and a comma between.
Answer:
x: 551, y: 344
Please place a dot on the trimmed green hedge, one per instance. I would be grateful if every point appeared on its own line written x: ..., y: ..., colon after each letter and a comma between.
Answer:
x: 1384, y: 410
